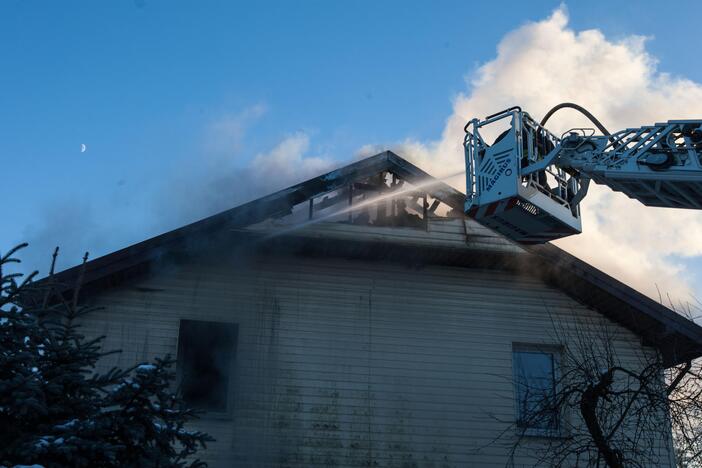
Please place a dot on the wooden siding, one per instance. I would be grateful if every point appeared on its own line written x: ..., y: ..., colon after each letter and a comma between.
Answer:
x: 440, y: 232
x: 350, y: 362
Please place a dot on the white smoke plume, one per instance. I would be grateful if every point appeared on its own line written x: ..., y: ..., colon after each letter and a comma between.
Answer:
x: 544, y: 63
x: 216, y: 178
x: 538, y: 65
x: 212, y: 183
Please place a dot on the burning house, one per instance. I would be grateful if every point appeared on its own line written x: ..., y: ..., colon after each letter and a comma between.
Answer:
x: 359, y: 319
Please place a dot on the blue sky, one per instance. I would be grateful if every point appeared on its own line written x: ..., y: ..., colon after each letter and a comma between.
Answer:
x: 142, y: 83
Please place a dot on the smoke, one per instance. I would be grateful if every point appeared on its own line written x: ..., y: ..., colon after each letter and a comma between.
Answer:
x: 543, y: 63
x: 225, y: 135
x: 74, y: 227
x: 219, y: 176
x: 218, y: 180
x: 537, y: 65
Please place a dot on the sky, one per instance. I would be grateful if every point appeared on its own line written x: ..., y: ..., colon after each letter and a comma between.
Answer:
x: 189, y: 108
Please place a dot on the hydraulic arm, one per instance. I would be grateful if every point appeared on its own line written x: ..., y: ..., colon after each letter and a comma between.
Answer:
x: 528, y: 183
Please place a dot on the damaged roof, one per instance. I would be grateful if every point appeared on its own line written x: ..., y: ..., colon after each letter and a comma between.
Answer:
x: 678, y: 338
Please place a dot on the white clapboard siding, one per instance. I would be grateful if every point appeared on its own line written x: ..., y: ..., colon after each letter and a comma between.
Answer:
x: 350, y: 362
x: 440, y: 232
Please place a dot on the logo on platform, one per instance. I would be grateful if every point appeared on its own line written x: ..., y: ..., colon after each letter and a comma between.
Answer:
x: 500, y: 170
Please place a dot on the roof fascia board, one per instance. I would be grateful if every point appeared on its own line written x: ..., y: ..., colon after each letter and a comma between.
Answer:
x: 672, y: 321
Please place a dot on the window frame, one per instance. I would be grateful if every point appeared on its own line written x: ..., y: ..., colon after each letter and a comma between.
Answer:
x: 227, y: 413
x: 556, y: 351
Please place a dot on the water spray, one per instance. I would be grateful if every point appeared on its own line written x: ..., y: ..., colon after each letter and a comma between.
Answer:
x: 370, y: 201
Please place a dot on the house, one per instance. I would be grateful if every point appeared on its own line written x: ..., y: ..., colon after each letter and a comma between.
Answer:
x: 359, y: 319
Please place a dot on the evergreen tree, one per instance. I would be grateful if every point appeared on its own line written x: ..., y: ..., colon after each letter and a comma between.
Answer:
x: 57, y: 411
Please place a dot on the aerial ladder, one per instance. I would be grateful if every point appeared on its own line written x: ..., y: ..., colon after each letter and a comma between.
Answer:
x: 528, y: 183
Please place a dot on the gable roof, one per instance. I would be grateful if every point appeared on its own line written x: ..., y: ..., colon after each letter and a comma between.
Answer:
x: 678, y: 338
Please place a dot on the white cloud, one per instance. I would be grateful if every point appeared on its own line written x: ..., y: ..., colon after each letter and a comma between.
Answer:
x: 537, y: 65
x: 544, y: 63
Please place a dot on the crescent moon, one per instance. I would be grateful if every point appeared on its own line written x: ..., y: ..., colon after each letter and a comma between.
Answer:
x: 83, y: 148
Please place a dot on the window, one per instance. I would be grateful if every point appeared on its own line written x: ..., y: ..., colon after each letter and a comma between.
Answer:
x: 535, y: 389
x: 205, y: 355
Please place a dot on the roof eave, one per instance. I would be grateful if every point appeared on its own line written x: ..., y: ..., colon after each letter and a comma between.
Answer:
x: 552, y: 264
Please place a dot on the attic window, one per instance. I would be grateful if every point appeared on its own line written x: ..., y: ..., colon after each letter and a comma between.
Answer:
x: 206, y: 353
x: 535, y: 368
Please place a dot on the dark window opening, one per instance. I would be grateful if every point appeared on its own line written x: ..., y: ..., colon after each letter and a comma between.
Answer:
x: 206, y: 351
